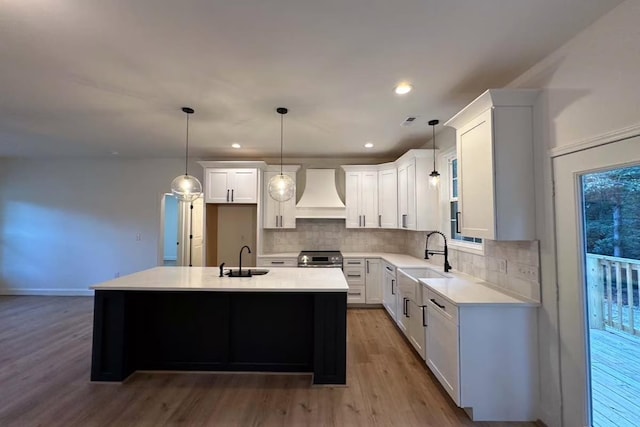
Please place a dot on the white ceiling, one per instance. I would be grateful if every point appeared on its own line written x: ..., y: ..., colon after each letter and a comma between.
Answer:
x: 89, y: 77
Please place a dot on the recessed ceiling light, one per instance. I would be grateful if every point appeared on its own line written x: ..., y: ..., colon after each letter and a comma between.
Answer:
x: 403, y: 88
x: 368, y: 145
x: 235, y: 145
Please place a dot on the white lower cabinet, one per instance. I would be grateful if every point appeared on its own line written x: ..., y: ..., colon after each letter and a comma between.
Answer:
x: 410, y: 319
x: 389, y: 285
x: 373, y: 281
x: 364, y: 277
x: 485, y: 357
x: 442, y: 345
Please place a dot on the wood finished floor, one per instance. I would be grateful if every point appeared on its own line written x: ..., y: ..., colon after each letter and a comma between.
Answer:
x: 45, y: 351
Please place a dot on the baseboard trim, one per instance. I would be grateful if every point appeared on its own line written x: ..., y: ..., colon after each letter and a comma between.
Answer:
x: 47, y: 292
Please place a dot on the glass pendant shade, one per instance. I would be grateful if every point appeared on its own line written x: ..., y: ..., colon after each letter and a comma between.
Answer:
x: 186, y: 188
x: 434, y: 178
x: 281, y: 188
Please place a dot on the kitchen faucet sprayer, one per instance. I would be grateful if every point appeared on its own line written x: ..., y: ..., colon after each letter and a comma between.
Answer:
x: 444, y: 252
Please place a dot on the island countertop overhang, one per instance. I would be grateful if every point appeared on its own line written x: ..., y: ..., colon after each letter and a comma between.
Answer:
x: 281, y: 279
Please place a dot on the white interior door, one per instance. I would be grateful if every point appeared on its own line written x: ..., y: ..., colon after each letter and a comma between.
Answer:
x: 197, y: 231
x: 568, y: 170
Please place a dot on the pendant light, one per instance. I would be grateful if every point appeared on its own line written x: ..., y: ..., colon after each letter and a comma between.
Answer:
x: 281, y: 187
x: 185, y: 187
x: 434, y: 176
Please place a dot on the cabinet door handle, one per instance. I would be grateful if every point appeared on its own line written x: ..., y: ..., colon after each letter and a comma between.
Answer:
x: 436, y: 303
x: 353, y: 262
x: 232, y: 195
x: 393, y: 282
x: 404, y: 220
x: 364, y: 220
x: 227, y: 194
x: 406, y: 304
x: 354, y: 275
x: 367, y: 266
x: 388, y: 268
x: 379, y: 220
x: 424, y: 319
x: 281, y: 225
x: 276, y: 220
x: 458, y: 222
x: 277, y: 262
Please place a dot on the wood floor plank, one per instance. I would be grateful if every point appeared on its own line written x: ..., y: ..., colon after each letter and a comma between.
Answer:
x: 45, y: 352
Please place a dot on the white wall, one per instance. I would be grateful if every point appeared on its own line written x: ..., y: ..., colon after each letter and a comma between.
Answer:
x: 67, y: 224
x: 590, y: 89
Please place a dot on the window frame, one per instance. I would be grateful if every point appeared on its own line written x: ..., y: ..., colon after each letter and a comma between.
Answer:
x: 446, y: 196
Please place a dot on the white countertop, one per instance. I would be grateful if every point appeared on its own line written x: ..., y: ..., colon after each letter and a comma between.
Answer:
x: 206, y: 279
x: 461, y: 289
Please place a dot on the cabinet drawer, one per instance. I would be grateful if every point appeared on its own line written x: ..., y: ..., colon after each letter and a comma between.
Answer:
x: 353, y: 262
x: 435, y: 302
x: 277, y: 262
x: 356, y: 295
x: 355, y: 276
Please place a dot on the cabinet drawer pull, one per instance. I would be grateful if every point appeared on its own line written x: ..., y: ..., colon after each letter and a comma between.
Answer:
x: 458, y: 230
x: 354, y: 275
x: 277, y: 262
x: 354, y: 292
x: 353, y: 262
x: 436, y: 303
x: 388, y: 268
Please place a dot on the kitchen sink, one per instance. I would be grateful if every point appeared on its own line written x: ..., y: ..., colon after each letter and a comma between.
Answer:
x: 245, y: 272
x: 422, y: 273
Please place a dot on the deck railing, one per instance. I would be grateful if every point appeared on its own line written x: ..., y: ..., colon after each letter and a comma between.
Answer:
x: 613, y: 293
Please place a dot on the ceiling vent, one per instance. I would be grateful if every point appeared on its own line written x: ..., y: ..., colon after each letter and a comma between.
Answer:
x: 408, y: 121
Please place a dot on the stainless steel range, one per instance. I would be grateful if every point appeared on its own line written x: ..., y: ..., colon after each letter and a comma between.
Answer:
x: 322, y: 259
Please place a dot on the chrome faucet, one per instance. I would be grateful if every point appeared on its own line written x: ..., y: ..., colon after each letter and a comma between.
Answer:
x: 240, y: 261
x: 444, y: 252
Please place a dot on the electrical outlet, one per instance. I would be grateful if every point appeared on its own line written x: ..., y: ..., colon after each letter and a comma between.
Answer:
x: 527, y: 272
x: 502, y: 266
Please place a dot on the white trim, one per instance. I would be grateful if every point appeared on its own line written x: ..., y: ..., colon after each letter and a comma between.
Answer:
x: 602, y: 139
x: 462, y: 246
x: 48, y: 292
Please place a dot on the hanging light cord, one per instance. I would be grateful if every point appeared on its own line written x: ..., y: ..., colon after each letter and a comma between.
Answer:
x: 434, y: 146
x: 281, y: 139
x: 186, y: 155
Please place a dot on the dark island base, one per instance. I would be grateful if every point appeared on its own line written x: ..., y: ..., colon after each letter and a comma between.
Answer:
x: 219, y: 331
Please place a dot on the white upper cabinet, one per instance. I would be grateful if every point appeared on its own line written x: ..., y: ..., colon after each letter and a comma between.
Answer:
x: 388, y: 196
x: 231, y: 186
x: 417, y: 200
x: 361, y: 192
x: 278, y: 214
x: 495, y: 165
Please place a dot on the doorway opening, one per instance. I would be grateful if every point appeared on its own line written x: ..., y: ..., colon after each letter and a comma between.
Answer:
x: 182, y: 232
x: 611, y: 230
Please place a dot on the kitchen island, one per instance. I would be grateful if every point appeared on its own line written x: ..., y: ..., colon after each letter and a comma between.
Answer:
x: 189, y: 318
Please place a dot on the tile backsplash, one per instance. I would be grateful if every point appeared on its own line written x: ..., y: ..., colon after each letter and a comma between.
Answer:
x: 511, y: 266
x: 318, y: 234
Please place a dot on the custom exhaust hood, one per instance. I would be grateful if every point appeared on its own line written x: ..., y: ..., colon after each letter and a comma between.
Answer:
x: 320, y: 197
